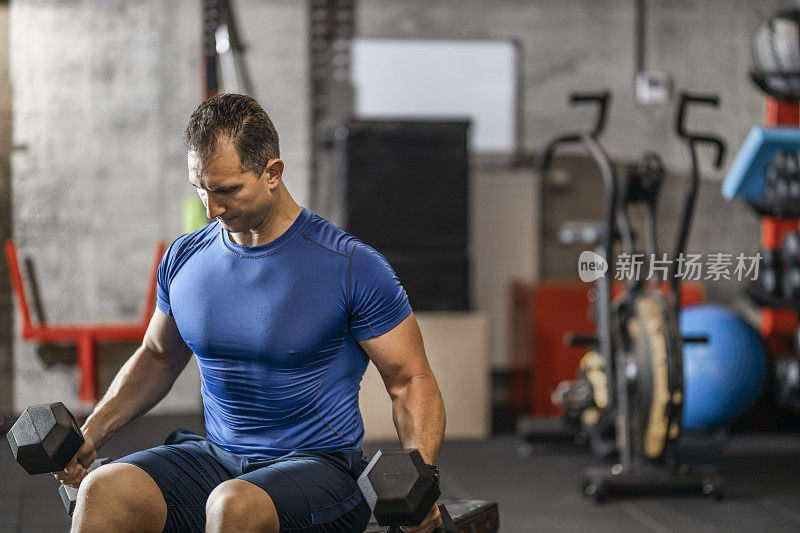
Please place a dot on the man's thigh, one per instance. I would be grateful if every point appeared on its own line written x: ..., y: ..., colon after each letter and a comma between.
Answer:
x: 314, y: 492
x: 186, y: 473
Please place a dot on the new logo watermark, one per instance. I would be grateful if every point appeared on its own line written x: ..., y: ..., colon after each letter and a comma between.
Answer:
x: 688, y: 267
x: 591, y: 266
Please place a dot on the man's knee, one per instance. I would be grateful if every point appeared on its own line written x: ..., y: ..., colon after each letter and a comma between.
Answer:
x: 119, y: 495
x: 238, y: 505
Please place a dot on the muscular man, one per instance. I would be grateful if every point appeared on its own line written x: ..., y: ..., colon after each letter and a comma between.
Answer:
x: 283, y: 311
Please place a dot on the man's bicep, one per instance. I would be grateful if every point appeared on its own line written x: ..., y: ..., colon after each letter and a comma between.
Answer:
x: 164, y: 340
x: 399, y: 354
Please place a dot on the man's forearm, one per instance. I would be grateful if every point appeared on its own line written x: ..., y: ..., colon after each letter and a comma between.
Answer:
x: 419, y: 417
x: 138, y: 386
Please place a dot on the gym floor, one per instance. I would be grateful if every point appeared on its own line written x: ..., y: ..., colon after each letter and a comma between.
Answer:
x: 536, y: 485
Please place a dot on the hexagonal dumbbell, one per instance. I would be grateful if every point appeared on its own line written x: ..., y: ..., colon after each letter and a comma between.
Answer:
x: 401, y: 489
x: 45, y: 438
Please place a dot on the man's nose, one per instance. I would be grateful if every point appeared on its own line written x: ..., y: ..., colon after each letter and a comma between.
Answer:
x: 213, y: 208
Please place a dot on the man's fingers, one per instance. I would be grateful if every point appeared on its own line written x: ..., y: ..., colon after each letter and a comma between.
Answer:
x: 63, y: 477
x: 72, y: 474
x: 71, y: 465
x: 72, y: 481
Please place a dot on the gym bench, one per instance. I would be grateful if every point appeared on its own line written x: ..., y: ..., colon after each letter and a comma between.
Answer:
x: 469, y: 516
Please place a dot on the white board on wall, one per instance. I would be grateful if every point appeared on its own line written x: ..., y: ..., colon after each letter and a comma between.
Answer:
x: 410, y: 79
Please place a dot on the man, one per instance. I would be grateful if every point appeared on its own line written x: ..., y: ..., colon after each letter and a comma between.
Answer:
x: 283, y: 311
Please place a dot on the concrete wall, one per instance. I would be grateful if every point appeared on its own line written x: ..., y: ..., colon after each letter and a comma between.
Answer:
x: 101, y: 93
x: 587, y: 44
x: 719, y: 225
x: 6, y: 321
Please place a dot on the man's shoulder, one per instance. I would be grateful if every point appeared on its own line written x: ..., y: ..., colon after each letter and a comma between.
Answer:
x: 189, y: 243
x: 329, y: 236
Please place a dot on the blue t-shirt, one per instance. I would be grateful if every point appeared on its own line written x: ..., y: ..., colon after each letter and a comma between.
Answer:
x: 274, y: 329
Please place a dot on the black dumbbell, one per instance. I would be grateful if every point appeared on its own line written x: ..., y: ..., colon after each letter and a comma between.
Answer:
x: 791, y: 284
x: 401, y: 489
x: 69, y: 494
x: 790, y: 256
x: 790, y: 249
x: 774, y: 169
x: 770, y: 184
x: 769, y: 276
x: 45, y: 438
x: 775, y: 178
x: 793, y: 175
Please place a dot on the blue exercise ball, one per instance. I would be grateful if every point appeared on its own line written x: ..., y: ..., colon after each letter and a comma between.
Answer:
x: 723, y: 377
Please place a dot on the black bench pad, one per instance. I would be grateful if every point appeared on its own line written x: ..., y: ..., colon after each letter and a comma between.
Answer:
x: 471, y: 516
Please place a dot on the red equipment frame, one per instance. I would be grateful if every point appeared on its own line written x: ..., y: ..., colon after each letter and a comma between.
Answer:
x: 85, y: 336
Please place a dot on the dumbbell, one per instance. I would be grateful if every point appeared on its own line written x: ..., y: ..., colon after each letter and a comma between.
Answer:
x: 790, y: 248
x: 790, y: 255
x: 69, y: 494
x: 45, y: 438
x: 777, y: 187
x: 401, y: 489
x: 792, y: 175
x: 791, y: 284
x: 770, y: 182
x: 769, y: 276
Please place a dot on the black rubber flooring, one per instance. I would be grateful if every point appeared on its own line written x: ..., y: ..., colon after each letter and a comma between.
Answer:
x: 537, y: 487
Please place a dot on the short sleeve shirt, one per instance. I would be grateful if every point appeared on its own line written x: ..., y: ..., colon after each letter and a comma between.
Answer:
x: 275, y: 330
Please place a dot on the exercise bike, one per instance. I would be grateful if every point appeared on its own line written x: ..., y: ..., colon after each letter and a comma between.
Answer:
x: 629, y: 393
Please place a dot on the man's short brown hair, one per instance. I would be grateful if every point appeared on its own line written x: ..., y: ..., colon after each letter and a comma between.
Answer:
x: 239, y: 118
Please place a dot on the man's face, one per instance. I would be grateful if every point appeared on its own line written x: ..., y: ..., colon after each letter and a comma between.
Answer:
x: 241, y: 201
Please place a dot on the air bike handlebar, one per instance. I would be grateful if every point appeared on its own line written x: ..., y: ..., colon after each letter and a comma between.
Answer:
x: 686, y: 99
x: 692, y: 139
x: 590, y: 143
x: 603, y: 101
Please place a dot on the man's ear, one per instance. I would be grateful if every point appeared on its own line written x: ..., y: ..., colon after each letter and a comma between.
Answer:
x: 274, y: 172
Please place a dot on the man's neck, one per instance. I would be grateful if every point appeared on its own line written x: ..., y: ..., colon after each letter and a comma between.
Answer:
x: 275, y: 225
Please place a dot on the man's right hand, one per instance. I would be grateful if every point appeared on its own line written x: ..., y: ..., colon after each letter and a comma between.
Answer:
x: 75, y: 471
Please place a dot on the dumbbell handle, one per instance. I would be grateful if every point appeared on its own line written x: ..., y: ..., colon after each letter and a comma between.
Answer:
x: 448, y: 526
x: 69, y: 494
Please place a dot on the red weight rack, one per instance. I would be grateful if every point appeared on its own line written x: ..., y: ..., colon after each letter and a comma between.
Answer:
x: 777, y: 326
x: 85, y: 336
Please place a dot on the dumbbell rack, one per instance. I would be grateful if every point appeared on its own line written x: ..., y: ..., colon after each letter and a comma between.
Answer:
x: 779, y: 318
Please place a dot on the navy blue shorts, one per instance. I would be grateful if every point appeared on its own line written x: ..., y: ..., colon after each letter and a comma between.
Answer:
x: 312, y: 491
